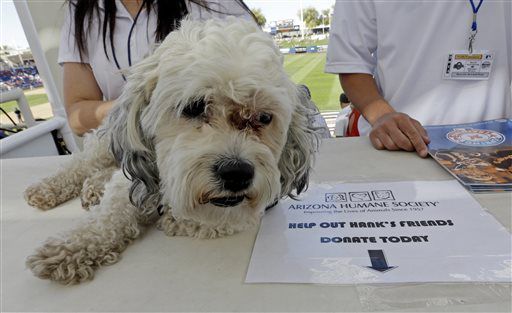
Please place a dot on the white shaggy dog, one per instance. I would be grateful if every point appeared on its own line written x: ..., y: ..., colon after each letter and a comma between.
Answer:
x: 208, y: 132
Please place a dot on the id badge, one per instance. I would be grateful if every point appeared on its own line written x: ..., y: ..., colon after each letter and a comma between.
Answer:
x: 462, y: 65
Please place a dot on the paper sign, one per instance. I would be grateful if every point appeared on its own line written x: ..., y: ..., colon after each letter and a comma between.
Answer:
x: 397, y: 232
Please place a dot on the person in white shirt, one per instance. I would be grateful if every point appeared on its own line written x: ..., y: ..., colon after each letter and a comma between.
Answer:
x: 341, y: 124
x: 393, y: 61
x: 100, y: 38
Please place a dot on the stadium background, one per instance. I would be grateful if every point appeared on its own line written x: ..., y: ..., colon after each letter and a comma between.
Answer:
x: 303, y: 68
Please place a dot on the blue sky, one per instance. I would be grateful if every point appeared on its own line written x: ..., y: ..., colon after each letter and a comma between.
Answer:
x: 11, y: 32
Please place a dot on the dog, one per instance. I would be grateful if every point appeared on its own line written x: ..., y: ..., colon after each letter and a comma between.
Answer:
x: 208, y: 133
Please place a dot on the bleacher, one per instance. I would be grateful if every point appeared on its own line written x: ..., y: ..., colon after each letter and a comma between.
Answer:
x: 22, y: 77
x: 330, y: 119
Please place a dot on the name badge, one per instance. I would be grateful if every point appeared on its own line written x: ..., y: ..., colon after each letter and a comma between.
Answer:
x: 462, y: 65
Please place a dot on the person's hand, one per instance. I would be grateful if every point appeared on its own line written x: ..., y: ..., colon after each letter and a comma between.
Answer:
x: 398, y: 131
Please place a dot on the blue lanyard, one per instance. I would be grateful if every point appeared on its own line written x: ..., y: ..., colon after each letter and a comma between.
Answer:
x: 475, y: 12
x: 474, y: 29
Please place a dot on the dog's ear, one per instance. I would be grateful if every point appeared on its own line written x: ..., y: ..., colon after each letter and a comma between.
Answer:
x: 303, y: 140
x: 131, y: 147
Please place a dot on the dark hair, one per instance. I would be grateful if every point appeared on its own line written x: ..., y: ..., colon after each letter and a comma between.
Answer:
x: 169, y: 14
x: 344, y: 98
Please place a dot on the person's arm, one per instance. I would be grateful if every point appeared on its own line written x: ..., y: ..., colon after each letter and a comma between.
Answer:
x: 391, y: 130
x: 83, y: 98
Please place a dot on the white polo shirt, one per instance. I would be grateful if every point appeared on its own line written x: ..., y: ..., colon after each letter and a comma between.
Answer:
x: 341, y: 123
x: 405, y: 44
x: 105, y: 71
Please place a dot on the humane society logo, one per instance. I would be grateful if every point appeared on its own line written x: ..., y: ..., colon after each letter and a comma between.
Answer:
x: 475, y: 137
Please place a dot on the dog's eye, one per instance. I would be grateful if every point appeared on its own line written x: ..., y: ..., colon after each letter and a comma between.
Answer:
x: 265, y: 118
x: 195, y: 108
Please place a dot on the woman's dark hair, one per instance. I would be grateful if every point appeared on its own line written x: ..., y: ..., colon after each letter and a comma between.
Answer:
x: 169, y: 14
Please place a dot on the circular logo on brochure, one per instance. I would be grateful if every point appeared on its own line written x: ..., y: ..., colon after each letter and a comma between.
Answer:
x: 475, y: 137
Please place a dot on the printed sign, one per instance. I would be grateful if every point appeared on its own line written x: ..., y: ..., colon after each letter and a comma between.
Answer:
x: 397, y: 232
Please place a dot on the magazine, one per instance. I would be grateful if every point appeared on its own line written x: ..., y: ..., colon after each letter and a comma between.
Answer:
x: 478, y: 154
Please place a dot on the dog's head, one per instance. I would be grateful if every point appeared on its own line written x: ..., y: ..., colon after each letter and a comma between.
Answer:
x: 211, y: 126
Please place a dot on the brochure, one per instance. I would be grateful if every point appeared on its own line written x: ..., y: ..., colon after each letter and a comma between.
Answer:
x: 479, y: 154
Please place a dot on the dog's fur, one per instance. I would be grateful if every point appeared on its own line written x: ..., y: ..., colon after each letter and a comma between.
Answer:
x: 151, y: 156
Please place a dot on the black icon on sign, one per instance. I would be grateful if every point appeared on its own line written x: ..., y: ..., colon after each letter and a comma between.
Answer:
x: 360, y: 196
x: 382, y: 195
x: 458, y: 65
x: 336, y: 197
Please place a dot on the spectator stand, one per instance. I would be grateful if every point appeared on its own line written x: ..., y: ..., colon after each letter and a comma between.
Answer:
x: 330, y: 119
x: 22, y: 77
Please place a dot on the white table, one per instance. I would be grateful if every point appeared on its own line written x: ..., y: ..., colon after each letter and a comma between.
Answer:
x: 159, y: 273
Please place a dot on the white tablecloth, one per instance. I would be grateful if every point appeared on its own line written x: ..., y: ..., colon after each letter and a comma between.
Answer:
x: 159, y: 273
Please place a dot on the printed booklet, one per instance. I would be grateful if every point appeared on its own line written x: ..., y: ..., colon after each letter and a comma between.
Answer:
x: 479, y: 154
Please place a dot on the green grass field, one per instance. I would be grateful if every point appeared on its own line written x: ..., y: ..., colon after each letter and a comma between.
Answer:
x: 305, y: 68
x: 32, y: 100
x: 308, y: 69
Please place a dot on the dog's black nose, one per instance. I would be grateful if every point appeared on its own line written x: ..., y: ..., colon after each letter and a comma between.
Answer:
x: 235, y: 175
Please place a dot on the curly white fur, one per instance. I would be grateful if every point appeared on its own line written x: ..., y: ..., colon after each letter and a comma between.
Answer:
x: 168, y: 159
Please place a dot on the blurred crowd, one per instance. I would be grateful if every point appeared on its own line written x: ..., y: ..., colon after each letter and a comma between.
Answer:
x: 23, y: 77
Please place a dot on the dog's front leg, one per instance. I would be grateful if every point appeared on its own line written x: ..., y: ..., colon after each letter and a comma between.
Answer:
x: 99, y: 240
x: 67, y: 183
x: 94, y: 186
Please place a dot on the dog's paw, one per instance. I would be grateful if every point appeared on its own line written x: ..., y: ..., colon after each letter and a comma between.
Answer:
x: 91, y: 194
x: 177, y: 227
x: 67, y: 264
x: 41, y: 196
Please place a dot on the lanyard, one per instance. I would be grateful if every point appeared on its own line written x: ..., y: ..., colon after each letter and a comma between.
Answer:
x: 128, y: 43
x: 474, y: 27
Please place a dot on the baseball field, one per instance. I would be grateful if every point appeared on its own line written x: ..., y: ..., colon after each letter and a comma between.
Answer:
x: 305, y: 68
x: 308, y: 69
